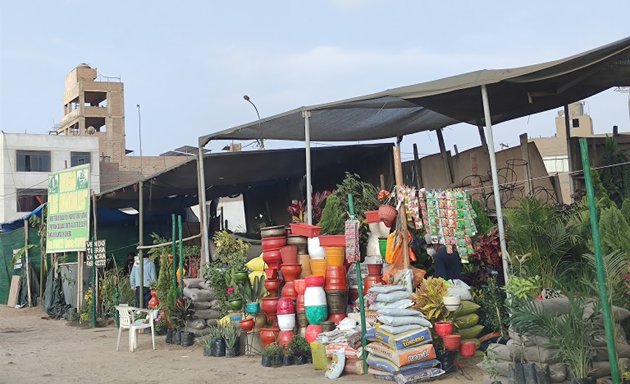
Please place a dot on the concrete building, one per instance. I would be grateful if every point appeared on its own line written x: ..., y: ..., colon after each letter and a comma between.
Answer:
x: 26, y: 161
x: 554, y: 149
x: 94, y: 105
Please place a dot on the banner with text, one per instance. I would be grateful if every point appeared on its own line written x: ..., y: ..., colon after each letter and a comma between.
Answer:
x: 68, y: 222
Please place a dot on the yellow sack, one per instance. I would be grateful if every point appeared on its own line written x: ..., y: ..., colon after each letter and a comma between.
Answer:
x: 224, y: 321
x: 253, y: 275
x: 256, y: 264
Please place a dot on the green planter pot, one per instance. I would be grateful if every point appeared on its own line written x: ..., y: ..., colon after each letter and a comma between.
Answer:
x: 235, y: 305
x: 240, y: 276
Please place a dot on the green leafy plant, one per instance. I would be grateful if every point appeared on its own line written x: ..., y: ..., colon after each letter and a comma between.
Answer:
x: 182, y: 312
x: 113, y: 279
x: 299, y: 347
x: 429, y: 298
x: 216, y: 332
x: 164, y: 281
x: 252, y: 292
x: 273, y: 350
x: 231, y: 333
x: 206, y: 341
x: 229, y: 249
x: 523, y: 288
x: 493, y: 313
x: 614, y: 230
x: 571, y: 334
x: 489, y: 364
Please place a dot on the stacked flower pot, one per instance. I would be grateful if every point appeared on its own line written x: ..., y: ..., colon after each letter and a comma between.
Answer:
x: 315, y: 305
x: 273, y: 240
x: 286, y: 319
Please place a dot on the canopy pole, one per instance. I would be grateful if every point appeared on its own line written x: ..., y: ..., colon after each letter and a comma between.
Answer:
x: 309, y: 188
x: 402, y: 211
x: 495, y: 180
x: 446, y: 158
x: 599, y: 264
x: 141, y: 242
x: 567, y: 131
x: 201, y: 181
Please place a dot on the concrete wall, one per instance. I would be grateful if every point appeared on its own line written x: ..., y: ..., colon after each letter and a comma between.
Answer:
x: 60, y: 148
x: 152, y: 164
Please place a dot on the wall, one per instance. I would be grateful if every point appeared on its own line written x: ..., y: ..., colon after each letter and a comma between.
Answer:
x: 152, y: 164
x: 60, y: 148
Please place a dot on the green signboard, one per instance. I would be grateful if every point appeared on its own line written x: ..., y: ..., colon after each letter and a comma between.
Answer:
x: 68, y: 223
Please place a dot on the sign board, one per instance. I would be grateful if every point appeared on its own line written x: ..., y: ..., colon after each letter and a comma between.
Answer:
x: 18, y: 264
x: 98, y: 253
x: 68, y: 220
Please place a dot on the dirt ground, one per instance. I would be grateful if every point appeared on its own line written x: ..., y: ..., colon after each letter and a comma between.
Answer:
x: 35, y: 350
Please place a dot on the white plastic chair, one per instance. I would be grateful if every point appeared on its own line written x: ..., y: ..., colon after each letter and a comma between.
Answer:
x: 128, y: 321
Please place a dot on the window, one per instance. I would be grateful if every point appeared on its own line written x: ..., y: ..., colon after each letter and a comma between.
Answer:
x: 29, y: 199
x: 32, y: 161
x: 575, y: 123
x: 80, y: 158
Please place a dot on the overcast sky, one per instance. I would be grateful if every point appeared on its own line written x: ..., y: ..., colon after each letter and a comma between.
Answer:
x: 189, y: 63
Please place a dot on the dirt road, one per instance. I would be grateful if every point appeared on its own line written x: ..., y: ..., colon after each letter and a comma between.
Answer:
x: 34, y: 350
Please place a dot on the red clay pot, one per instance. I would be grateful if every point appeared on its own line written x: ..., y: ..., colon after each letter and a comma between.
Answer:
x: 271, y: 274
x: 285, y: 337
x: 452, y: 342
x: 336, y: 285
x: 370, y: 281
x: 288, y: 291
x: 312, y: 331
x: 285, y: 306
x: 290, y: 272
x: 314, y: 281
x: 272, y: 286
x: 299, y: 304
x: 468, y: 349
x: 289, y: 254
x: 443, y: 328
x: 247, y: 325
x: 273, y: 243
x: 269, y: 335
x: 300, y: 286
x: 335, y: 272
x: 387, y: 214
x: 337, y: 317
x: 272, y: 257
x: 372, y: 217
x: 269, y: 305
x: 375, y: 269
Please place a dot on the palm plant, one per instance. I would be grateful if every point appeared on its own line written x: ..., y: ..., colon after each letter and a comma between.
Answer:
x: 571, y: 333
x: 251, y: 292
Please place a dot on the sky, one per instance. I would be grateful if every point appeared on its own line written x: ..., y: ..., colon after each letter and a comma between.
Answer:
x: 189, y: 63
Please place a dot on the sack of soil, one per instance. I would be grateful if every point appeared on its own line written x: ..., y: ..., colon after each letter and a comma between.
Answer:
x: 197, y: 294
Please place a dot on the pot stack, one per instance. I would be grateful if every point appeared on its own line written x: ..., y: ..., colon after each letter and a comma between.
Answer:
x: 300, y: 309
x: 374, y: 277
x: 315, y: 303
x: 273, y: 240
x: 290, y: 270
x: 336, y: 293
x: 286, y: 319
x: 301, y: 243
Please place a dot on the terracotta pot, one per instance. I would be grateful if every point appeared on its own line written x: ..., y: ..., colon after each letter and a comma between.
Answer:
x: 272, y: 286
x: 269, y: 335
x: 273, y: 243
x: 299, y: 304
x: 314, y: 281
x: 328, y: 326
x: 306, y: 230
x: 369, y: 281
x: 289, y: 254
x: 305, y: 261
x: 285, y: 306
x: 337, y: 317
x: 288, y: 291
x: 154, y: 302
x: 387, y: 214
x: 275, y: 231
x: 271, y: 274
x: 290, y: 272
x: 272, y: 257
x: 301, y: 319
x: 269, y: 305
x: 443, y: 328
x: 468, y: 349
x: 312, y: 331
x: 372, y: 216
x: 298, y: 240
x: 332, y: 241
x: 285, y: 337
x: 300, y: 286
x: 452, y: 342
x: 318, y: 267
x: 375, y: 269
x: 336, y: 285
x: 337, y: 301
x: 247, y: 325
x: 335, y: 272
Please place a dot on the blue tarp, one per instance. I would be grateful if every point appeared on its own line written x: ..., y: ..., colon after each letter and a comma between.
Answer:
x: 19, y: 223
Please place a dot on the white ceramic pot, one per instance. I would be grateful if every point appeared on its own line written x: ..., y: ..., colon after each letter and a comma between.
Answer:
x: 452, y: 302
x: 316, y: 251
x: 286, y: 322
x: 383, y: 229
x: 314, y: 296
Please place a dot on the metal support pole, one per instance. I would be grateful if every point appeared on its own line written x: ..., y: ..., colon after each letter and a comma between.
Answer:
x: 202, y: 261
x: 205, y: 243
x: 495, y: 181
x: 93, y: 320
x: 417, y: 167
x: 567, y: 130
x: 173, y: 248
x: 446, y: 158
x: 27, y: 267
x: 181, y: 256
x: 309, y: 193
x: 599, y: 262
x: 141, y: 241
x: 529, y: 184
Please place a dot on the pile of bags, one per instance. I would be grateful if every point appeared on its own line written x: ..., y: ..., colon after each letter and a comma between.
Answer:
x: 401, y: 349
x: 207, y: 308
x: 467, y: 322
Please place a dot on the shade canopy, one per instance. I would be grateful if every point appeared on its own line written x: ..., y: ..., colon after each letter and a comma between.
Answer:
x: 513, y: 93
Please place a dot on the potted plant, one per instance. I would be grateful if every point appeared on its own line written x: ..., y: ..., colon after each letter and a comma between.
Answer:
x: 172, y: 335
x: 300, y: 350
x: 231, y: 335
x: 217, y: 344
x: 160, y: 326
x: 251, y: 293
x: 268, y: 355
x: 182, y: 313
x: 235, y: 301
x: 489, y: 365
x: 429, y: 298
x: 287, y: 358
x: 571, y: 334
x: 206, y: 342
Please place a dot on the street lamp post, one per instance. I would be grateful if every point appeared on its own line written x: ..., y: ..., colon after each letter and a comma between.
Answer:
x: 261, y: 142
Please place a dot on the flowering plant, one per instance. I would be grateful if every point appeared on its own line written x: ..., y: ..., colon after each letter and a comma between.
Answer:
x: 385, y: 197
x: 230, y: 291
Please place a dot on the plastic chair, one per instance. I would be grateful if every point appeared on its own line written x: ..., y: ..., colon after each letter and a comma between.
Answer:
x: 128, y: 321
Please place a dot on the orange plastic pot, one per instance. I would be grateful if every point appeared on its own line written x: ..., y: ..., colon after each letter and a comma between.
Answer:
x: 318, y: 267
x: 335, y: 257
x: 452, y: 342
x: 290, y: 272
x: 468, y: 349
x: 372, y: 217
x: 387, y: 214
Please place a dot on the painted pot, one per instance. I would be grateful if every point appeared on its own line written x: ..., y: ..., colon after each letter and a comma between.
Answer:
x: 314, y: 294
x: 272, y: 286
x: 269, y: 305
x: 290, y: 272
x: 316, y: 251
x: 315, y: 314
x: 268, y: 335
x: 236, y: 304
x: 286, y: 322
x: 452, y: 342
x: 240, y: 276
x: 452, y: 303
x: 285, y: 337
x: 247, y: 325
x: 289, y: 254
x: 335, y: 259
x: 468, y: 349
x: 252, y: 308
x: 318, y: 267
x: 312, y: 331
x: 305, y: 262
x: 297, y: 240
x: 387, y: 214
x: 285, y: 306
x: 443, y: 328
x: 273, y: 243
x: 271, y: 274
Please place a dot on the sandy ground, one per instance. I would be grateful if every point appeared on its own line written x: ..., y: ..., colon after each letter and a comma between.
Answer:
x: 35, y: 350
